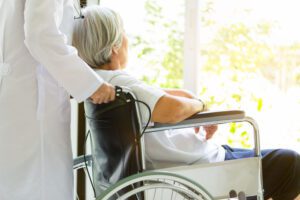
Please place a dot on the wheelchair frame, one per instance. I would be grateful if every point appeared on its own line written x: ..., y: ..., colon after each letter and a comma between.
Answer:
x: 199, y: 119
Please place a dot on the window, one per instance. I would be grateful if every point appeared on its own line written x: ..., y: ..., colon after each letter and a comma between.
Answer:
x: 250, y: 59
x: 242, y: 54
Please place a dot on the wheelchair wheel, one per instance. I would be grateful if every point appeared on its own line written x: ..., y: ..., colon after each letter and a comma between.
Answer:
x: 155, y: 186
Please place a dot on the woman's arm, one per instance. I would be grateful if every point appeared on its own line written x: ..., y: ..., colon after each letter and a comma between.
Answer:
x: 173, y: 109
x: 180, y: 93
x: 209, y: 129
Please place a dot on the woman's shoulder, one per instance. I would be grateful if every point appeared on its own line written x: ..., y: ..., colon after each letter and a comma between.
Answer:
x: 117, y: 77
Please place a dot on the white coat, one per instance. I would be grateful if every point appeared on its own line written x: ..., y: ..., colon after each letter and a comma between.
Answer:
x: 38, y: 71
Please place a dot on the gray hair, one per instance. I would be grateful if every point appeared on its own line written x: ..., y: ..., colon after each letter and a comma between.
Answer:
x: 97, y: 34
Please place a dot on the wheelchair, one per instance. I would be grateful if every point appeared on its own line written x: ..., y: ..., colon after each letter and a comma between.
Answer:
x: 117, y: 167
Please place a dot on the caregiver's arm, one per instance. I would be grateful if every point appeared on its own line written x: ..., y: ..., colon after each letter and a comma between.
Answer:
x: 49, y: 46
x: 173, y: 109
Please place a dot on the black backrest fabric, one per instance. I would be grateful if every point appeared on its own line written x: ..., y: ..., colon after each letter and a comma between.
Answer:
x: 114, y: 131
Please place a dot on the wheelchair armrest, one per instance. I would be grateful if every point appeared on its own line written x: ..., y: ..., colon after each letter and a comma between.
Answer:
x: 212, y: 117
x: 202, y: 118
x: 81, y: 162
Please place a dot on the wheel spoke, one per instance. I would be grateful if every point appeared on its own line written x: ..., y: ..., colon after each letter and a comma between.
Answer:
x: 155, y: 186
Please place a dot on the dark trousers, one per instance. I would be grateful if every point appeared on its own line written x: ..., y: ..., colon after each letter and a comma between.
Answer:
x: 280, y: 169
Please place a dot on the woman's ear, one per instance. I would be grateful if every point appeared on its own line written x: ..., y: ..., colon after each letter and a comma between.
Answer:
x: 115, y: 50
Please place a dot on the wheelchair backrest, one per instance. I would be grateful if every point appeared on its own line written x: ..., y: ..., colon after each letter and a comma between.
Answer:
x: 114, y: 131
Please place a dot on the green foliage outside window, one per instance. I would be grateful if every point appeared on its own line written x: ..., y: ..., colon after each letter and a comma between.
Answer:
x: 238, y: 52
x: 161, y: 47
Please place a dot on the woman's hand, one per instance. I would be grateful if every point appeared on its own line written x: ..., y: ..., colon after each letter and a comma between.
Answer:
x: 104, y: 94
x: 210, y: 130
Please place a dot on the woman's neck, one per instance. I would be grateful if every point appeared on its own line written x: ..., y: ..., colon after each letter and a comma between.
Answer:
x: 109, y: 66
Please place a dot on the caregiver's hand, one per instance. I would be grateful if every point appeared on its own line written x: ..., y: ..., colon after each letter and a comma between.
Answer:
x: 104, y: 94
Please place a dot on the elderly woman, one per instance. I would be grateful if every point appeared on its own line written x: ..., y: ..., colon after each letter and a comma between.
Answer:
x: 102, y: 43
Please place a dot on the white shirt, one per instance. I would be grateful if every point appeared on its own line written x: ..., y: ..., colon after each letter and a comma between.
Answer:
x: 166, y: 148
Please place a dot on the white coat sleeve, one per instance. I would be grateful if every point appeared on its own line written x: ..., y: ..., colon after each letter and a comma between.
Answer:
x: 48, y: 45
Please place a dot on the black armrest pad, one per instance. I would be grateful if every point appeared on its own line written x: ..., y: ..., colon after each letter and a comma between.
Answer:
x: 209, y: 114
